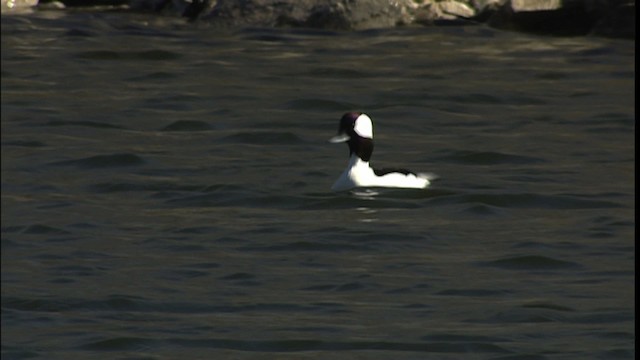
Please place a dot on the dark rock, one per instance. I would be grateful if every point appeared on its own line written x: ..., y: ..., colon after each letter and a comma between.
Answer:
x: 613, y: 18
x: 618, y: 20
x: 17, y: 6
x: 444, y: 12
x: 548, y: 17
x: 85, y: 3
x: 195, y: 8
x: 190, y: 9
x: 325, y: 14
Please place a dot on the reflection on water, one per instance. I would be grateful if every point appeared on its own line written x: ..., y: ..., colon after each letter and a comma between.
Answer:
x: 365, y: 194
x: 368, y: 213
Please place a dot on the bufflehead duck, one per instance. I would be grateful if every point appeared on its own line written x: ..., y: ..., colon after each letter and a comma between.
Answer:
x: 356, y: 129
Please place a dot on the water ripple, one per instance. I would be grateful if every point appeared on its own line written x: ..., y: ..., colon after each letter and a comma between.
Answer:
x: 526, y: 200
x: 144, y: 55
x: 293, y: 345
x: 104, y: 161
x: 187, y: 125
x: 488, y: 158
x: 90, y: 124
x: 532, y: 262
x: 264, y: 138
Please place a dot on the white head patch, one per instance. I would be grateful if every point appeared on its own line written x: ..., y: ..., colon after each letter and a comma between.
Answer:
x: 364, y: 126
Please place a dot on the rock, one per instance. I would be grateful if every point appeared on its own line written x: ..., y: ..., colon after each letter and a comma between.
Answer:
x: 325, y: 14
x: 618, y: 20
x: 567, y: 17
x: 615, y: 18
x: 433, y: 12
x: 486, y: 8
x: 535, y: 5
x: 86, y: 3
x: 545, y: 17
x: 17, y: 6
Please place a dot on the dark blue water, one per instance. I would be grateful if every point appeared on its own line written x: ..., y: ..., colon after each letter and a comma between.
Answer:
x: 165, y: 193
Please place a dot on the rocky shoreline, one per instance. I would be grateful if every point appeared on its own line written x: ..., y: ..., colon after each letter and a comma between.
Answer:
x: 610, y: 18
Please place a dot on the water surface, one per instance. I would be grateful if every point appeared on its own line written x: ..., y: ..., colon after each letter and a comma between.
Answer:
x: 165, y: 193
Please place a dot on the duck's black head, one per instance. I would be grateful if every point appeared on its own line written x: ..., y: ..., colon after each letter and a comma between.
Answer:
x: 356, y: 129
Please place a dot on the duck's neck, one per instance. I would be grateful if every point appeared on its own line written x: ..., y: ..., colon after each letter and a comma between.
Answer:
x: 361, y: 147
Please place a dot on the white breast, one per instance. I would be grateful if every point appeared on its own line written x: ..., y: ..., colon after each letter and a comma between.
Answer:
x: 360, y: 174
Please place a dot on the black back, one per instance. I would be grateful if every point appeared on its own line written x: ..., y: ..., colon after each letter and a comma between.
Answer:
x: 385, y: 171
